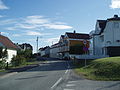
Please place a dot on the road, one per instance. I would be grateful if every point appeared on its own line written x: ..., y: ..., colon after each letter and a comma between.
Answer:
x: 53, y: 75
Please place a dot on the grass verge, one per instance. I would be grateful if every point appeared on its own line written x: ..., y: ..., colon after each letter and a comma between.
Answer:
x: 100, y: 69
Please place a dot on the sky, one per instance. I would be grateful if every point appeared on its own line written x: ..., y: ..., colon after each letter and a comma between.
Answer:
x: 22, y: 21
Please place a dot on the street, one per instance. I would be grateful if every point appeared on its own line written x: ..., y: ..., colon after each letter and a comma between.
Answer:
x: 53, y: 75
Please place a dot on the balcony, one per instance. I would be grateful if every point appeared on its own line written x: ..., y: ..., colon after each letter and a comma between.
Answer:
x: 64, y: 49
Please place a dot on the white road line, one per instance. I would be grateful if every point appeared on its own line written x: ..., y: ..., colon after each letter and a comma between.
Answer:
x: 66, y: 71
x: 68, y: 89
x: 56, y: 83
x: 70, y: 85
x: 72, y: 81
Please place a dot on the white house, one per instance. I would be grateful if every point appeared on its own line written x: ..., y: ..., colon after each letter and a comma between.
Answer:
x: 54, y: 51
x: 106, y: 37
x: 11, y: 47
x: 45, y: 52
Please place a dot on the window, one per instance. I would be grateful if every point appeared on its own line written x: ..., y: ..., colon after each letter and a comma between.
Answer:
x: 116, y: 25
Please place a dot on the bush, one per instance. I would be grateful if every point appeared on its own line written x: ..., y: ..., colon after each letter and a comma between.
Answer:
x: 18, y: 60
x: 2, y: 64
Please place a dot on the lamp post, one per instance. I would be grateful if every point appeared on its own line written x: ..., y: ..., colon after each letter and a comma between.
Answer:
x: 37, y: 45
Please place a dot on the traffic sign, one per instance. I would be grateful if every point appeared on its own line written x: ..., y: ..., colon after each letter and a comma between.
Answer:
x: 85, y: 48
x: 85, y: 42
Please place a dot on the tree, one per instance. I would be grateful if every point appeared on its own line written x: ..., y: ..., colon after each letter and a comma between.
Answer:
x: 3, y: 56
x: 3, y: 53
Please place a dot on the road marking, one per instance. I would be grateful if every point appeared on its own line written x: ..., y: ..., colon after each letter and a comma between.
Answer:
x: 56, y: 83
x: 9, y: 74
x: 68, y: 89
x: 66, y: 71
x: 72, y: 81
x: 70, y: 85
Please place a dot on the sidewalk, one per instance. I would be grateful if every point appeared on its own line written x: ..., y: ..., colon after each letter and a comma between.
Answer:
x: 21, y: 69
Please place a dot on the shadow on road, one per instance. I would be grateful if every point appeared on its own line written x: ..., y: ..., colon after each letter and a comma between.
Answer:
x: 52, y: 65
x: 30, y: 77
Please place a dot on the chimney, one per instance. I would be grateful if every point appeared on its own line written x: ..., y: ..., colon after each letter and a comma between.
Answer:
x: 74, y: 31
x: 115, y: 16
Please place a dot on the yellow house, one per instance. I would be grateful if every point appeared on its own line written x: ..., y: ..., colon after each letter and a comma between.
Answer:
x: 73, y: 43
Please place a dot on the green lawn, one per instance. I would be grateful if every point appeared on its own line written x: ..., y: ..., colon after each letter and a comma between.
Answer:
x: 100, y: 69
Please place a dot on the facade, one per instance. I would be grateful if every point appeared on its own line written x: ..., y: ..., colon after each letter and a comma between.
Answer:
x: 54, y: 51
x: 73, y: 44
x: 11, y: 47
x: 26, y: 46
x: 106, y: 37
x: 45, y: 52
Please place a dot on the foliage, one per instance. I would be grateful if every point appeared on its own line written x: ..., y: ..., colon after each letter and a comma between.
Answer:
x: 2, y: 64
x: 27, y: 53
x: 18, y: 60
x: 102, y: 69
x: 3, y: 53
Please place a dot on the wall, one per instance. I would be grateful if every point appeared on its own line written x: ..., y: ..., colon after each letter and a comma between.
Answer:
x: 11, y: 53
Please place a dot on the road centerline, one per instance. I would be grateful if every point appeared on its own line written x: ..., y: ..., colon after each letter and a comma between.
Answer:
x: 56, y: 83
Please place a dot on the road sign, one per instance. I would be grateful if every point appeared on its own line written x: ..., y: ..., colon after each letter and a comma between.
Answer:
x: 85, y: 48
x: 85, y: 42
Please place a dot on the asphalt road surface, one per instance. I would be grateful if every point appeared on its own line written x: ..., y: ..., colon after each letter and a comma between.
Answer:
x: 53, y: 75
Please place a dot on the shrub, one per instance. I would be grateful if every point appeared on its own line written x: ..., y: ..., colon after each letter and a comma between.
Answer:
x: 18, y: 60
x: 2, y: 64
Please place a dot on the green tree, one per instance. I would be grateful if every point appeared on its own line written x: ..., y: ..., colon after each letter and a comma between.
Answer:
x: 3, y: 53
x: 3, y: 56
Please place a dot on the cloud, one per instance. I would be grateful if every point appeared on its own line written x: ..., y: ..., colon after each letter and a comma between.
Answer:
x: 8, y: 22
x: 33, y: 33
x: 3, y: 6
x: 36, y: 22
x: 1, y: 16
x: 16, y: 35
x: 57, y: 26
x: 115, y: 4
x: 5, y: 33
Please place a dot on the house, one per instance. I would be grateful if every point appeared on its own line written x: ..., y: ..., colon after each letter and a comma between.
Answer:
x: 5, y: 42
x: 44, y: 52
x: 73, y: 44
x: 25, y: 46
x: 106, y: 37
x: 54, y: 51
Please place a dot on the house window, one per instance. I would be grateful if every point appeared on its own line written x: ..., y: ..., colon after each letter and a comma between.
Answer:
x: 102, y: 38
x: 116, y: 25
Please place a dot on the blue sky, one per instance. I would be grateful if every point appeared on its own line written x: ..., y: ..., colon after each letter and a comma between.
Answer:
x: 23, y: 20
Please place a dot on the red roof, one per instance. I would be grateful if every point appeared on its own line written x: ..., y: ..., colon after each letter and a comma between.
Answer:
x: 7, y: 42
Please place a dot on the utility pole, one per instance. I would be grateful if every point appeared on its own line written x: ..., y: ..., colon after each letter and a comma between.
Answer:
x: 37, y: 45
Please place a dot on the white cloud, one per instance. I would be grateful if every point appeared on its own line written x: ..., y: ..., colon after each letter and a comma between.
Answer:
x: 36, y: 20
x: 5, y: 33
x: 33, y: 33
x: 8, y: 22
x: 16, y: 35
x: 115, y: 4
x: 3, y: 6
x: 57, y: 26
x: 1, y: 16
